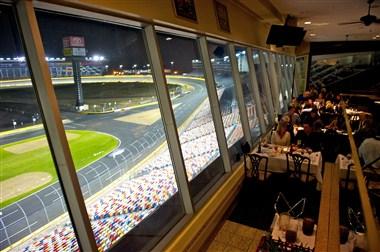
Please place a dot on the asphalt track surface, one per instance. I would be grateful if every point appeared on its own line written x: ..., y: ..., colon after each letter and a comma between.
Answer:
x: 136, y: 142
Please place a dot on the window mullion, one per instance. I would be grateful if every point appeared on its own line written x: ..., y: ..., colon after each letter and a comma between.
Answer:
x: 239, y: 94
x: 54, y: 126
x: 273, y: 77
x: 167, y: 114
x: 256, y: 93
x: 267, y: 85
x: 214, y: 103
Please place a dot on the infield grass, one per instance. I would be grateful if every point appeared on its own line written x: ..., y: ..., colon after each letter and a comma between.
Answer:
x: 88, y: 147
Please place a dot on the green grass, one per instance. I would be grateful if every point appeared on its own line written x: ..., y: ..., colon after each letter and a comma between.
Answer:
x: 85, y: 149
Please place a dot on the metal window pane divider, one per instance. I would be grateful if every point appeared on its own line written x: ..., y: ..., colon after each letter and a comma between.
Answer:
x: 239, y: 94
x: 272, y: 100
x: 286, y: 75
x: 279, y: 76
x: 256, y: 93
x: 292, y: 77
x: 287, y: 68
x: 275, y: 84
x: 266, y: 86
x: 214, y: 103
x: 167, y: 114
x: 53, y: 125
x: 283, y: 77
x: 283, y: 63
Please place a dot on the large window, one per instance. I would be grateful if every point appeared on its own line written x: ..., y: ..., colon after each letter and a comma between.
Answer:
x: 192, y: 112
x: 291, y: 71
x: 300, y: 74
x: 225, y: 86
x: 250, y: 104
x: 281, y: 81
x: 265, y: 94
x: 109, y: 107
x: 284, y: 74
x: 30, y: 194
x: 273, y: 88
x: 276, y: 78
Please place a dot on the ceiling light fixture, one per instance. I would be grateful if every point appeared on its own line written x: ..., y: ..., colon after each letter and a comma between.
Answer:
x: 377, y: 36
x: 307, y: 22
x: 320, y: 24
x: 313, y: 34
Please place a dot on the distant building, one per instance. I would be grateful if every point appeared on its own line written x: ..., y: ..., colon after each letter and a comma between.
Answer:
x: 16, y: 68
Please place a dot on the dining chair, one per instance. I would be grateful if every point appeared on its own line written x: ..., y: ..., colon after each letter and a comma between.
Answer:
x: 282, y: 204
x: 246, y: 148
x: 372, y: 176
x: 255, y: 163
x: 347, y: 179
x: 296, y: 170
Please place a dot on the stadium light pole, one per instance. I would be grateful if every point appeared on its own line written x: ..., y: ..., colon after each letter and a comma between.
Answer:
x: 54, y: 127
x: 214, y: 103
x: 239, y: 94
x: 151, y: 43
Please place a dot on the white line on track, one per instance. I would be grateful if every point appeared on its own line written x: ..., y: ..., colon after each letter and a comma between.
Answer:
x: 3, y: 216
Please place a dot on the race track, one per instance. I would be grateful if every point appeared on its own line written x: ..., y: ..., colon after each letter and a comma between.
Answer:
x: 137, y: 141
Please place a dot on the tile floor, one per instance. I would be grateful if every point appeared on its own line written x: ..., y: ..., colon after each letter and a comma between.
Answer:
x: 233, y: 237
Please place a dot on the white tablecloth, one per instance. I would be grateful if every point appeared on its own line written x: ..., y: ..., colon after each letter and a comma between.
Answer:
x: 302, y: 239
x: 354, y: 240
x: 342, y: 162
x: 277, y: 161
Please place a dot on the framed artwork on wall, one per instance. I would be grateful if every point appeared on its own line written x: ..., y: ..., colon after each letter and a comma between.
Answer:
x: 185, y: 9
x: 222, y: 16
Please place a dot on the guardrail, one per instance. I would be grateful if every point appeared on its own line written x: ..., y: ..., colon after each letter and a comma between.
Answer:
x: 370, y: 222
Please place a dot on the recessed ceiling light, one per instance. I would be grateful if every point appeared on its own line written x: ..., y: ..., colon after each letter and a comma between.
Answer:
x: 307, y: 22
x: 377, y: 36
x: 169, y: 38
x: 312, y: 34
x: 320, y: 24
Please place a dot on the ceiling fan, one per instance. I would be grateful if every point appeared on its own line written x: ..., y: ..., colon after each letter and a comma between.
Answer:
x: 367, y: 19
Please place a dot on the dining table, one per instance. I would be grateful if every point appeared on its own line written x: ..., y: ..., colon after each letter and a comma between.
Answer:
x: 306, y: 241
x: 277, y: 162
x: 345, y: 172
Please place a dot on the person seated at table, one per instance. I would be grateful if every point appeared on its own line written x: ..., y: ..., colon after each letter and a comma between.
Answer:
x: 281, y: 136
x: 365, y: 131
x: 338, y: 123
x: 308, y: 138
x: 293, y: 115
x: 369, y: 150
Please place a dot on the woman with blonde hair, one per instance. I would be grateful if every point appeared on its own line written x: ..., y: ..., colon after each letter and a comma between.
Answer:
x: 281, y: 136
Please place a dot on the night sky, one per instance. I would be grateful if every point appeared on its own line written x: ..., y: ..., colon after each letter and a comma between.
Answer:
x: 120, y: 45
x: 10, y: 45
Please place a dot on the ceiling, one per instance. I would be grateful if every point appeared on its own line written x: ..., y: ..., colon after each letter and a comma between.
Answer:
x: 324, y: 15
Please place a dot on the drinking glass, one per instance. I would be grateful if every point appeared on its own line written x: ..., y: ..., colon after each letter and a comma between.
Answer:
x: 344, y: 232
x: 291, y: 231
x: 308, y: 226
x: 284, y: 221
